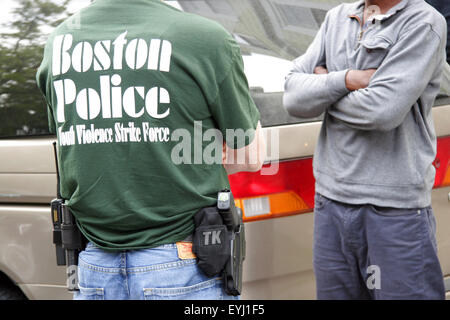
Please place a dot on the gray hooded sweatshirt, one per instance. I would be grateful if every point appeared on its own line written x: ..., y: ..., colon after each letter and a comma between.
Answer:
x: 377, y: 144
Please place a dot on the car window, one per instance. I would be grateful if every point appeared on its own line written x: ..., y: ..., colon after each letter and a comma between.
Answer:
x: 24, y: 27
x: 271, y: 33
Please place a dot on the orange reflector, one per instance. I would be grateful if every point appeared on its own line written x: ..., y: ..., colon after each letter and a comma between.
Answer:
x: 446, y: 181
x: 271, y: 206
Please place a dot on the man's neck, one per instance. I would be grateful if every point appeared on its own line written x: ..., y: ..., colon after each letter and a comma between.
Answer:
x: 384, y: 5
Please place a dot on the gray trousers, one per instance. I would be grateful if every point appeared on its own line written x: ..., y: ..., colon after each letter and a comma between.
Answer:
x: 368, y: 252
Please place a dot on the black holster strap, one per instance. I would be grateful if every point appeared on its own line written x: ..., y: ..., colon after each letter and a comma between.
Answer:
x: 57, y: 238
x: 71, y: 237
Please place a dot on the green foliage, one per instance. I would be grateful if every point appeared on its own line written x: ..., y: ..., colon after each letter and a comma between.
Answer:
x: 22, y: 107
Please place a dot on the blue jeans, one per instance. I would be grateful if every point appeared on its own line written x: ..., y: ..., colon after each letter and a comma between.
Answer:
x: 150, y: 274
x: 368, y: 252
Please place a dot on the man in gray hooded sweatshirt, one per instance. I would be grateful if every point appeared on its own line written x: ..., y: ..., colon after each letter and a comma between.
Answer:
x: 374, y: 70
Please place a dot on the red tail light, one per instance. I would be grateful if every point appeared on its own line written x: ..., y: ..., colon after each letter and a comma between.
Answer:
x: 291, y: 190
x: 442, y: 163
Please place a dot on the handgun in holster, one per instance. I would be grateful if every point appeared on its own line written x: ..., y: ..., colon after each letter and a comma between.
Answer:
x: 67, y: 238
x: 219, y: 242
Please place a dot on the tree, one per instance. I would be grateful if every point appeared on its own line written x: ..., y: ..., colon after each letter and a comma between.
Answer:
x: 22, y: 107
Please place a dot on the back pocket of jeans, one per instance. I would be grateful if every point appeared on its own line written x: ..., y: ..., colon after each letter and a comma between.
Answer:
x: 90, y: 294
x: 206, y: 290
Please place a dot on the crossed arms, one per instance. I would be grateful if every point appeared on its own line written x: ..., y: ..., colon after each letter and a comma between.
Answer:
x: 375, y: 99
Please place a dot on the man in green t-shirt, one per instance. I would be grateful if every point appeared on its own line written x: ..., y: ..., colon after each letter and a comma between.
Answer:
x: 139, y: 95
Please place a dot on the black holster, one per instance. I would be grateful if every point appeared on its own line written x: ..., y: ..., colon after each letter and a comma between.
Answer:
x: 219, y: 243
x: 68, y: 240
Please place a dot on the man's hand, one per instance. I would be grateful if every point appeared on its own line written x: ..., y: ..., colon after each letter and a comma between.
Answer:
x: 320, y: 70
x: 249, y: 158
x: 358, y: 79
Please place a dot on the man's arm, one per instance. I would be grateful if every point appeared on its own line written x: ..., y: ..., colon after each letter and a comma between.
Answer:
x: 235, y: 113
x: 355, y: 79
x: 249, y: 158
x: 396, y: 85
x: 308, y: 94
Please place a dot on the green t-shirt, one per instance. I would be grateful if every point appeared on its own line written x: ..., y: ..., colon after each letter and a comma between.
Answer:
x: 132, y: 88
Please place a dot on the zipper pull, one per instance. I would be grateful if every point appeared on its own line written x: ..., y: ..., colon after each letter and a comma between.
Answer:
x: 358, y: 42
x: 360, y: 35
